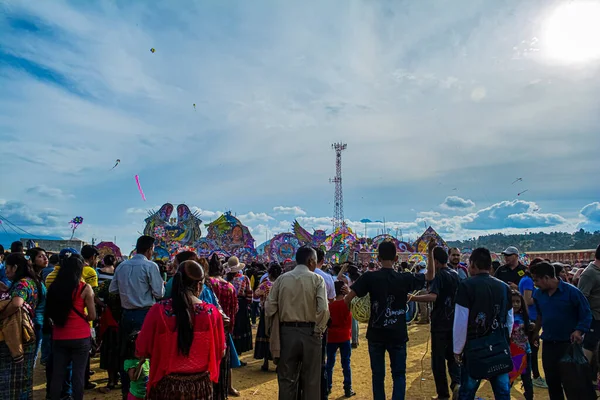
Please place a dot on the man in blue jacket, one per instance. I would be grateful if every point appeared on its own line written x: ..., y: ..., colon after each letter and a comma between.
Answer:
x: 564, y: 315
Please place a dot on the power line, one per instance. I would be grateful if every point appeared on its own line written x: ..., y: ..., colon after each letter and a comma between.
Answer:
x: 3, y: 218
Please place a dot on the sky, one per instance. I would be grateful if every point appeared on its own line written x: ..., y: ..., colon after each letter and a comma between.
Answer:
x: 443, y: 105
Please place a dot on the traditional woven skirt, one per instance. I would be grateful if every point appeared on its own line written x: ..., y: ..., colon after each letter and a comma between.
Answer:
x: 242, y: 330
x: 262, y: 348
x: 221, y: 389
x: 183, y: 387
x: 109, y: 355
x: 16, y: 379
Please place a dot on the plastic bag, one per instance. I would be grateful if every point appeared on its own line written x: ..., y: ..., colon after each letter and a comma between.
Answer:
x: 576, y: 374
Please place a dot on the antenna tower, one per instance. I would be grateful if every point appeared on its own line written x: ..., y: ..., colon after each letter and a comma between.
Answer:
x: 338, y: 210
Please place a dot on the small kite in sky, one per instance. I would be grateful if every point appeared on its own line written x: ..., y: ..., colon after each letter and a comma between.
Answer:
x: 526, y: 190
x: 194, y: 106
x: 455, y: 189
x: 517, y: 180
x: 137, y: 180
x: 116, y: 163
x: 152, y: 50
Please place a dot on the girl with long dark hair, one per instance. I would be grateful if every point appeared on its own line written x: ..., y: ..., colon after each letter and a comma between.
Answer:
x: 16, y: 378
x: 67, y: 302
x: 185, y: 339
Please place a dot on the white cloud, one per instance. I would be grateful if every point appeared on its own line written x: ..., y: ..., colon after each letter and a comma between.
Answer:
x: 295, y: 210
x: 429, y: 214
x: 253, y: 217
x: 591, y: 215
x: 457, y: 203
x: 511, y: 214
x: 48, y: 192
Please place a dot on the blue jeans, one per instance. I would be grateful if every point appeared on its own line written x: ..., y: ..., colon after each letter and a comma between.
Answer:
x: 468, y: 386
x: 526, y: 379
x: 397, y: 354
x: 38, y: 341
x: 345, y: 352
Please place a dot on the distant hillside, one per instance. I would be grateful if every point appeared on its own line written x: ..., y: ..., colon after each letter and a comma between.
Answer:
x: 533, y: 241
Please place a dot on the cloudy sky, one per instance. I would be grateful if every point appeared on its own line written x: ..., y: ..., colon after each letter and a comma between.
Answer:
x: 443, y: 106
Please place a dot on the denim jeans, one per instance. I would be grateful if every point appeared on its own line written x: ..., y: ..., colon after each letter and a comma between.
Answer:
x: 38, y: 341
x: 354, y: 331
x: 131, y: 321
x: 527, y: 381
x: 65, y: 352
x: 67, y: 389
x: 441, y: 354
x: 345, y: 353
x: 468, y: 387
x: 397, y: 354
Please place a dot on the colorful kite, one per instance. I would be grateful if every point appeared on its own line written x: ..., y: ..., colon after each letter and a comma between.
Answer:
x: 116, y: 163
x: 526, y: 190
x: 517, y: 180
x: 152, y: 50
x: 75, y: 222
x: 137, y: 180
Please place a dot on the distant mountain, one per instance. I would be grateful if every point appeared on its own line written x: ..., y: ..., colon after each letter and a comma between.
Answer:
x: 580, y: 240
x: 6, y: 238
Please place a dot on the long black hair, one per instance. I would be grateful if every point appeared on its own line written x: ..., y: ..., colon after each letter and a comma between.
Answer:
x: 32, y: 254
x: 185, y: 282
x: 215, y: 268
x: 60, y: 294
x: 24, y: 270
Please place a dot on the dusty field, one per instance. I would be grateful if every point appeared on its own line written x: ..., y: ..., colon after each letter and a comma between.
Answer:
x: 255, y: 384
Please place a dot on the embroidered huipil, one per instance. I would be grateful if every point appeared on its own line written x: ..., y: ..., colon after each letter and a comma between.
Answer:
x: 227, y: 296
x: 158, y: 341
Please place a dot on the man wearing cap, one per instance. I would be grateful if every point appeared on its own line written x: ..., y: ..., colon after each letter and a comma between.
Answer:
x: 513, y: 271
x: 299, y: 299
x: 589, y: 284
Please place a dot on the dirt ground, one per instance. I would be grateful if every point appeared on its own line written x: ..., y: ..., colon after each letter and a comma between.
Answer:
x: 256, y: 384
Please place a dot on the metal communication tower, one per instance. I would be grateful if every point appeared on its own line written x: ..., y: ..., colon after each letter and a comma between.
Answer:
x: 338, y: 211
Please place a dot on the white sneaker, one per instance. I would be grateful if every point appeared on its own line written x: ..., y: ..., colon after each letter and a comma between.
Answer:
x: 540, y: 382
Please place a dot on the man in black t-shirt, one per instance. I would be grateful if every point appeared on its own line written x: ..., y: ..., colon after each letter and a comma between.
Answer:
x: 387, y: 331
x: 483, y: 307
x: 513, y: 271
x: 443, y: 284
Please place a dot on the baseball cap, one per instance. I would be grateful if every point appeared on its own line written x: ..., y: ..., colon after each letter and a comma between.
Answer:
x: 510, y: 250
x: 63, y: 252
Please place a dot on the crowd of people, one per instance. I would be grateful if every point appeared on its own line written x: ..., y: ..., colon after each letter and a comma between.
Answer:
x: 175, y: 331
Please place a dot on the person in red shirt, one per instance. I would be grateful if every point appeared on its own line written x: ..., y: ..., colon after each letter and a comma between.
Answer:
x: 338, y: 337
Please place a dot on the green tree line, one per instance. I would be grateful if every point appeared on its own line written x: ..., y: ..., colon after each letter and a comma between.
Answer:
x: 579, y: 240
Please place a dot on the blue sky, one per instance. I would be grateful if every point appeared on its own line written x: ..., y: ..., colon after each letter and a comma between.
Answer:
x: 430, y: 96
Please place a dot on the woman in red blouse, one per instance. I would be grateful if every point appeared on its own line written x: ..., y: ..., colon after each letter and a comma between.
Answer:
x: 227, y: 296
x: 184, y: 339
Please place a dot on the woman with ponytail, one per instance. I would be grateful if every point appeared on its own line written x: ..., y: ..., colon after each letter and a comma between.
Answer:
x: 68, y: 299
x: 184, y: 339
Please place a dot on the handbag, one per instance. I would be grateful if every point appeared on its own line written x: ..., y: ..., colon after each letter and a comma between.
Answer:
x: 489, y: 356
